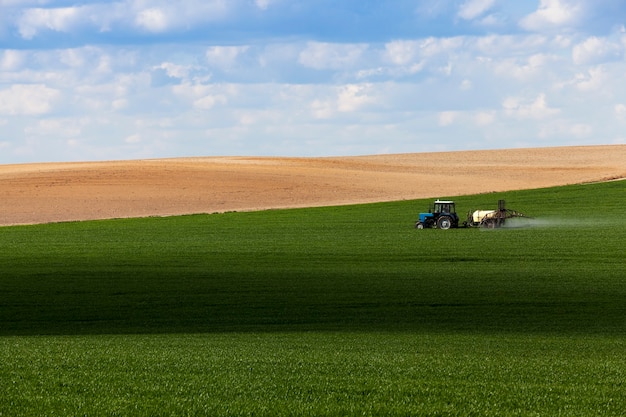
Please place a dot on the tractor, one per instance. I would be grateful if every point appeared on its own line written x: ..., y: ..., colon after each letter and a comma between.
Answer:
x: 442, y: 216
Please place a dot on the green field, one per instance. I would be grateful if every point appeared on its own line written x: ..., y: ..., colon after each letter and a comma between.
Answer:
x: 323, y: 311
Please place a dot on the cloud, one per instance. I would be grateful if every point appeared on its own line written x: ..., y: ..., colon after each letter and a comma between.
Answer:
x: 471, y: 9
x: 401, y: 52
x: 22, y: 2
x: 55, y: 127
x: 153, y: 19
x: 225, y: 56
x: 620, y: 111
x: 353, y: 97
x: 132, y: 139
x: 168, y: 73
x: 512, y: 45
x: 592, y: 80
x: 200, y: 96
x: 152, y: 16
x: 523, y: 109
x: 532, y: 66
x: 163, y: 15
x: 565, y: 128
x: 446, y: 118
x: 249, y: 76
x: 27, y: 99
x: 432, y: 46
x: 262, y: 4
x: 595, y: 50
x: 59, y: 19
x: 321, y: 55
x: 349, y: 98
x: 553, y: 14
x: 485, y: 118
x: 11, y: 60
x: 409, y: 57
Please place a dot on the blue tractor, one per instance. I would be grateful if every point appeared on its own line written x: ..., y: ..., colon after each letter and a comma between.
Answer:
x: 442, y: 216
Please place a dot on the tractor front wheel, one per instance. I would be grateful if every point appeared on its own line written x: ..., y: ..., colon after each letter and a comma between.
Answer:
x: 444, y: 222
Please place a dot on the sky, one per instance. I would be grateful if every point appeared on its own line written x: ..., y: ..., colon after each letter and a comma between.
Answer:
x: 134, y: 79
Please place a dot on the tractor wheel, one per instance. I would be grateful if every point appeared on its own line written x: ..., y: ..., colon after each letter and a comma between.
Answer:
x: 490, y: 224
x: 419, y: 225
x: 444, y: 222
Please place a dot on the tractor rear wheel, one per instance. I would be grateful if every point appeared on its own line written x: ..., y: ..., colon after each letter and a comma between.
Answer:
x: 444, y: 222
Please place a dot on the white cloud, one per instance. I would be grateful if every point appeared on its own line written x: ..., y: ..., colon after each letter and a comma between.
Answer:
x: 155, y: 16
x: 552, y: 14
x: 132, y: 139
x: 27, y: 99
x: 174, y: 70
x: 501, y: 46
x: 497, y: 85
x: 262, y: 4
x: 153, y: 20
x: 353, y: 97
x: 593, y: 80
x: 620, y: 111
x: 164, y: 15
x: 59, y: 19
x: 485, y: 118
x: 22, y: 2
x: 55, y: 127
x: 11, y: 60
x: 562, y: 128
x: 440, y: 46
x: 464, y: 118
x: 225, y: 56
x: 208, y: 102
x: 523, y: 109
x: 581, y: 130
x: 446, y: 118
x: 119, y: 104
x: 492, y: 20
x: 401, y: 52
x: 320, y: 55
x: 413, y: 56
x: 327, y: 103
x: 471, y: 9
x: 595, y: 50
x: 201, y: 97
x: 533, y: 65
x: 322, y: 109
x: 92, y: 59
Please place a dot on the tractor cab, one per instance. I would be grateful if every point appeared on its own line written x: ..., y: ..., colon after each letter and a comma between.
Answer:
x: 442, y: 215
x: 444, y: 207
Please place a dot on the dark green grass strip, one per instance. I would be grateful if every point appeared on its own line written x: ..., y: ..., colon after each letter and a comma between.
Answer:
x: 339, y: 268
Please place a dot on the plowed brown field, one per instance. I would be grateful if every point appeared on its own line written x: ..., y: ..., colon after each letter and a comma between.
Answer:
x: 52, y: 192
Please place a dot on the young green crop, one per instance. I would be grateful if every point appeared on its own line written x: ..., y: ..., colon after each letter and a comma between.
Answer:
x: 313, y: 373
x: 325, y: 311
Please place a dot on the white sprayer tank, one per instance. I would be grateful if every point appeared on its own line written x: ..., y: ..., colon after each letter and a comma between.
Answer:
x: 479, y: 215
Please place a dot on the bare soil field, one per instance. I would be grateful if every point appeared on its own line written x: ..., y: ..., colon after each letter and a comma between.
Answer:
x: 54, y: 192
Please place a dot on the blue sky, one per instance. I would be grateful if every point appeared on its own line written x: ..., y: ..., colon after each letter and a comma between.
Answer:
x: 128, y: 79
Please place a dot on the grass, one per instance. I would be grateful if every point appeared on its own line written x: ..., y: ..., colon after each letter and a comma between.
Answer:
x: 313, y: 373
x: 325, y: 311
